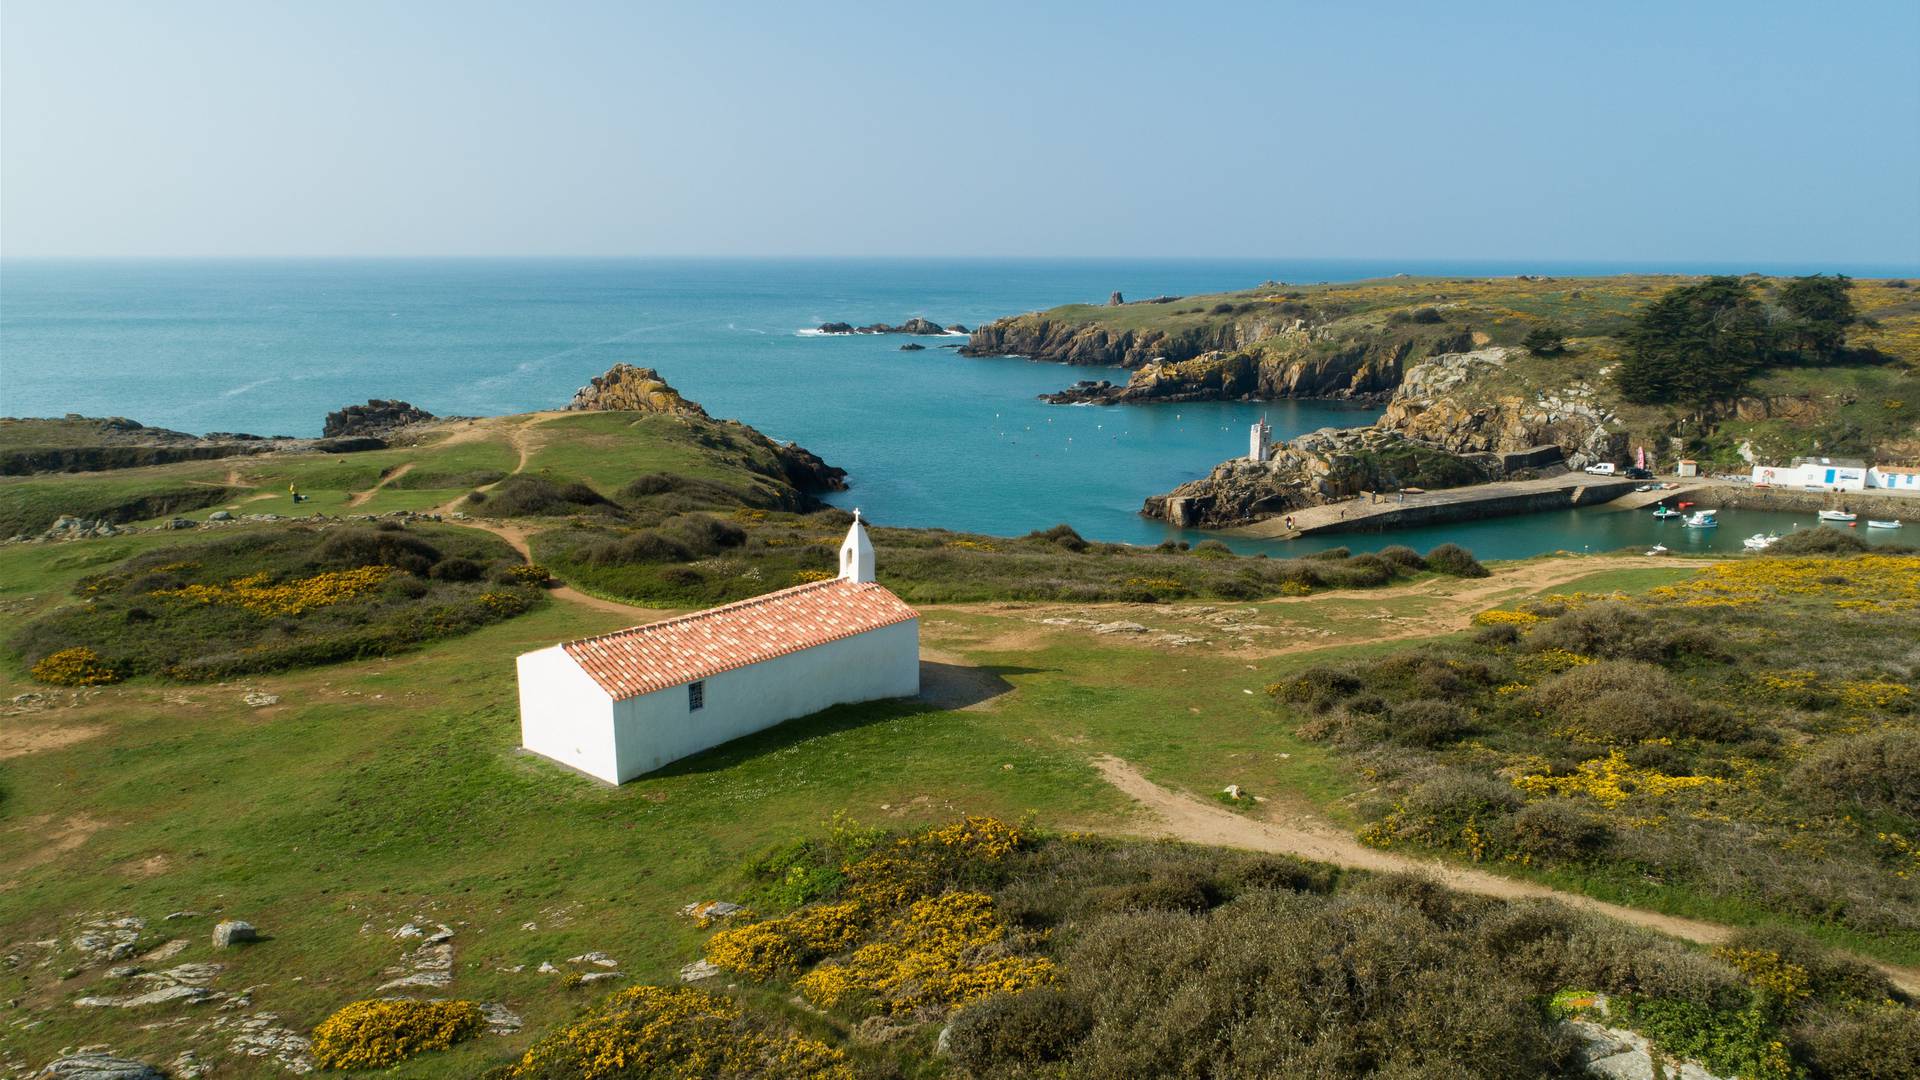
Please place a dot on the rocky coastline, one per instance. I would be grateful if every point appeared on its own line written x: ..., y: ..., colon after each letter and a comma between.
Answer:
x: 75, y: 443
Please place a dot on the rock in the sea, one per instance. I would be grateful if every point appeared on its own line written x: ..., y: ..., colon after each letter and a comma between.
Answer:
x: 912, y: 346
x: 628, y: 388
x: 375, y: 418
x: 99, y: 1067
x: 230, y: 932
x: 1116, y: 299
x: 915, y: 325
x: 958, y: 328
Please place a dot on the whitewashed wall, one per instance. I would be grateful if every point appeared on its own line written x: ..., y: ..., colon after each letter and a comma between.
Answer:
x: 564, y: 715
x: 654, y: 729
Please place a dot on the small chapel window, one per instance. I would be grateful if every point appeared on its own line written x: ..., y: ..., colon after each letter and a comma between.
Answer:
x: 696, y: 696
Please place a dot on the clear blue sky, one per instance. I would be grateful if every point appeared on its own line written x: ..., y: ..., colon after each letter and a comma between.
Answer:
x: 1639, y: 132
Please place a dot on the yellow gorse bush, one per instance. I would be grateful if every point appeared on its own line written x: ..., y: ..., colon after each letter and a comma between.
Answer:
x: 1611, y: 781
x: 1889, y: 580
x: 254, y: 593
x: 1497, y: 617
x: 943, y: 952
x: 376, y: 1034
x: 786, y: 943
x: 807, y: 577
x: 78, y: 666
x: 1769, y: 971
x: 1874, y: 695
x: 680, y: 1033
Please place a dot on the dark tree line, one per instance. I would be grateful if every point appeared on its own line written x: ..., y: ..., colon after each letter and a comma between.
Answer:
x: 1702, y: 343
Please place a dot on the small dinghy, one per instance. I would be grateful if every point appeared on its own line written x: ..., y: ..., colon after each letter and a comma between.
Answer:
x: 1657, y: 549
x: 1662, y: 513
x: 1702, y: 519
x: 1838, y: 515
x: 1759, y: 542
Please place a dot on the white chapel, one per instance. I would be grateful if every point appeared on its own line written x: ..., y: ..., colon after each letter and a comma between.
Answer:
x: 623, y: 704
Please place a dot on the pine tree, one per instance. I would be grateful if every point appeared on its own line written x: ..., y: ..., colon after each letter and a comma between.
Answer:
x: 1819, y: 310
x: 1696, y: 345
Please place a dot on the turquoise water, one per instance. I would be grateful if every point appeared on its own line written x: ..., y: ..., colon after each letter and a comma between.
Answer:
x: 930, y: 438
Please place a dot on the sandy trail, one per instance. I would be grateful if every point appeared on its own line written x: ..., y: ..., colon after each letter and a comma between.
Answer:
x: 359, y: 497
x: 1185, y: 817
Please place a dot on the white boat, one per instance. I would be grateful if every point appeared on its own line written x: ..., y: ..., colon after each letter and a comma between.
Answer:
x: 1837, y: 515
x: 1759, y: 541
x: 1894, y: 524
x: 1657, y: 549
x: 1662, y: 513
x: 1702, y: 519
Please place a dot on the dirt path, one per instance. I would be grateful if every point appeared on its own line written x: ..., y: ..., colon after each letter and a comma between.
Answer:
x: 359, y: 497
x: 1187, y: 818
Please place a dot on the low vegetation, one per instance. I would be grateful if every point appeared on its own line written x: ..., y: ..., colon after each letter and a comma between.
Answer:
x: 1743, y: 738
x: 1069, y: 957
x: 266, y: 599
x: 705, y: 558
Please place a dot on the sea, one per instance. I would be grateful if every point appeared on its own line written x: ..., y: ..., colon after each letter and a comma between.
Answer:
x: 929, y: 438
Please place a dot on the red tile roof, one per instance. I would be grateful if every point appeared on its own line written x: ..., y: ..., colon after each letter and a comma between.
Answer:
x: 640, y: 660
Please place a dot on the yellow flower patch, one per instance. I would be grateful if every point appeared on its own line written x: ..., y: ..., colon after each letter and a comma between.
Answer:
x: 676, y: 1033
x: 1611, y: 781
x: 78, y: 666
x: 1497, y: 617
x: 943, y: 952
x: 254, y: 593
x: 376, y: 1034
x: 1874, y: 695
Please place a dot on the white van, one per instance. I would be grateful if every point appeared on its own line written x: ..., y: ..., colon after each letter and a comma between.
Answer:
x: 1604, y: 468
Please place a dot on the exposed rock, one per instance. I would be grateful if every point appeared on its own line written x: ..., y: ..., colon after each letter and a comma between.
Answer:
x: 500, y: 1019
x: 636, y: 389
x: 186, y: 1066
x: 376, y: 418
x: 1322, y: 466
x: 596, y: 958
x: 430, y: 965
x: 1619, y: 1054
x: 99, y: 1067
x: 1444, y: 401
x: 915, y: 325
x: 1116, y: 299
x: 220, y: 515
x: 913, y: 346
x: 957, y: 328
x: 599, y: 976
x: 257, y: 699
x: 262, y: 1036
x: 107, y: 940
x: 698, y: 971
x: 231, y: 932
x: 710, y: 909
x: 185, y: 983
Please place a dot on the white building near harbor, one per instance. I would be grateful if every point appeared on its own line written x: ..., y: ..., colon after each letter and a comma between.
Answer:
x: 626, y: 703
x: 1816, y: 474
x: 1894, y: 478
x: 1260, y: 441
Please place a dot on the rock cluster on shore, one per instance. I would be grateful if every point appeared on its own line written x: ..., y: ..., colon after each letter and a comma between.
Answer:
x: 916, y: 325
x: 377, y: 418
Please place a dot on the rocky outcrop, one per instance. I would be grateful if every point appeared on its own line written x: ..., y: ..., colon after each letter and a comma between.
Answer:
x: 915, y: 325
x: 376, y: 418
x: 1039, y: 337
x: 626, y: 388
x: 1316, y: 468
x: 805, y: 470
x: 1452, y: 402
x: 913, y: 346
x: 97, y: 1066
x: 1116, y: 299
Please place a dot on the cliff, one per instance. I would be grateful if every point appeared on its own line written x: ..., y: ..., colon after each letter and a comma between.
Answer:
x: 1319, y: 467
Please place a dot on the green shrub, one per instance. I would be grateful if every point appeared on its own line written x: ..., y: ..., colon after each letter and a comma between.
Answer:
x: 1556, y: 832
x: 1455, y: 561
x: 1860, y: 1042
x: 1212, y: 549
x: 1878, y: 770
x: 1404, y: 556
x: 457, y: 569
x: 1818, y: 541
x: 1061, y: 536
x: 1008, y: 1034
x: 1426, y: 723
x: 524, y: 495
x: 1626, y: 702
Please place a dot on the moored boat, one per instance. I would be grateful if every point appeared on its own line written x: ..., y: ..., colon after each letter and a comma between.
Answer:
x: 1838, y: 515
x: 1701, y: 519
x: 1759, y: 541
x: 1894, y: 524
x: 1663, y: 512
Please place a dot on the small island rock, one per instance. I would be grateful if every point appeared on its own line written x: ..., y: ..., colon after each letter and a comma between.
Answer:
x: 375, y: 418
x: 1116, y: 299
